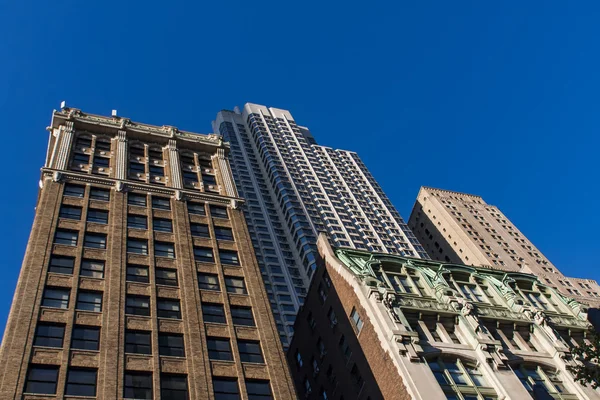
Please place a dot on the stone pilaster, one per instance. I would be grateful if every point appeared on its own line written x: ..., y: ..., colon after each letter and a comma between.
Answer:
x: 64, y: 142
x: 121, y: 156
x: 176, y: 180
x: 225, y: 173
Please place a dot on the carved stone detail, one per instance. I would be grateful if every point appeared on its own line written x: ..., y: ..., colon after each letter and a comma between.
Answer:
x: 121, y: 155
x: 176, y: 181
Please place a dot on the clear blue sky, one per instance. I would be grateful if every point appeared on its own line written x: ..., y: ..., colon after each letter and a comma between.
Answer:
x: 500, y: 100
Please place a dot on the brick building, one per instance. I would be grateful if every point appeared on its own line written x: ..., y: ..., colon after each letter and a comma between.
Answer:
x: 139, y: 278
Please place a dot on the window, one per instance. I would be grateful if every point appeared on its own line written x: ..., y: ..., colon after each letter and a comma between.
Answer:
x: 166, y: 276
x: 94, y: 240
x: 101, y: 162
x: 222, y: 233
x: 162, y: 225
x: 345, y: 348
x: 218, y: 211
x: 41, y: 379
x: 138, y: 342
x: 80, y: 158
x: 49, y: 335
x: 209, y: 180
x: 74, y: 190
x: 208, y: 281
x: 250, y: 351
x: 164, y: 249
x: 242, y: 316
x: 98, y: 216
x: 137, y: 273
x: 136, y: 168
x: 356, y: 378
x: 156, y: 170
x: 135, y: 199
x: 137, y: 246
x: 169, y: 309
x: 137, y: 305
x: 235, y: 285
x: 200, y: 230
x: 136, y: 151
x: 161, y: 203
x: 93, y: 268
x: 541, y: 382
x: 226, y: 389
x: 85, y: 338
x: 171, y: 344
x: 155, y: 154
x: 229, y: 257
x: 61, y: 264
x: 70, y: 212
x: 358, y: 322
x: 56, y: 297
x: 196, y: 208
x: 190, y: 177
x: 219, y: 349
x: 137, y: 221
x: 100, y: 194
x: 83, y: 142
x: 81, y: 382
x: 213, y: 313
x: 66, y: 237
x: 258, y: 390
x: 89, y: 301
x: 204, y: 254
x: 173, y: 387
x: 138, y: 385
x: 102, y: 145
x: 457, y: 376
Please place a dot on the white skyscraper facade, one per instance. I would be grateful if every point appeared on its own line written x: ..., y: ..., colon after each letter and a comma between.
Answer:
x: 295, y: 189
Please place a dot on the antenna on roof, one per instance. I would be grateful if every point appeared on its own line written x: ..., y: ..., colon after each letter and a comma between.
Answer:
x: 114, y: 113
x: 63, y: 104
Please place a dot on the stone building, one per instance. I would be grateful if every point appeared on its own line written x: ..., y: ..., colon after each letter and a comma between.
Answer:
x: 383, y: 326
x: 139, y: 278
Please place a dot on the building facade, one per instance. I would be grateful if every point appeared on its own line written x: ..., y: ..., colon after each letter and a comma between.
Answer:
x: 463, y: 228
x: 139, y: 278
x: 295, y: 189
x: 383, y: 326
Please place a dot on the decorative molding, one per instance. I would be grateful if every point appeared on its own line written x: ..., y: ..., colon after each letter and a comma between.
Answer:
x: 64, y: 142
x: 225, y: 173
x: 176, y: 181
x: 121, y: 155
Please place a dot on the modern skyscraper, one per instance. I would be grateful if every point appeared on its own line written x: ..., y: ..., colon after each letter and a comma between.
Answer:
x: 463, y: 228
x: 139, y: 279
x: 295, y: 189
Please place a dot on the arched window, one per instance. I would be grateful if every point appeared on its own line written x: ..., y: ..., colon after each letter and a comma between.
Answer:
x: 460, y: 379
x: 542, y: 382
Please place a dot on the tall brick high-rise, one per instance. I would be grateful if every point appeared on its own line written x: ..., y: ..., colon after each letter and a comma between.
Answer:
x: 139, y: 279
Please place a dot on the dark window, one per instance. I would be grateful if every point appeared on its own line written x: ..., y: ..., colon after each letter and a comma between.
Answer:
x: 81, y: 382
x: 93, y: 268
x: 85, y: 338
x: 208, y: 281
x: 235, y: 285
x: 223, y: 233
x: 229, y: 257
x: 242, y: 316
x: 356, y: 377
x: 190, y: 177
x: 100, y: 194
x: 74, y: 190
x: 137, y: 273
x: 136, y: 168
x: 213, y: 313
x: 155, y: 170
x: 200, y: 230
x: 173, y: 387
x: 49, y: 335
x: 56, y: 297
x: 258, y: 390
x: 187, y: 159
x: 137, y: 221
x: 166, y: 276
x: 99, y: 216
x: 137, y: 246
x: 61, y: 264
x: 102, y: 145
x: 80, y: 158
x: 250, y: 351
x: 219, y: 349
x: 66, y: 237
x: 161, y: 203
x: 84, y: 142
x: 226, y: 389
x: 169, y: 308
x: 137, y: 305
x: 209, y: 180
x: 162, y: 225
x: 89, y: 301
x: 204, y: 254
x: 163, y: 249
x: 70, y: 212
x: 171, y: 344
x: 218, y: 211
x: 135, y: 199
x: 94, y: 240
x: 138, y: 385
x: 101, y: 162
x: 138, y: 342
x: 41, y: 379
x: 137, y: 151
x: 196, y: 208
x: 155, y: 154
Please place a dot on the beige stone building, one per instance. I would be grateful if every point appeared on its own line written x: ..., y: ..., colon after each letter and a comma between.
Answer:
x: 139, y: 278
x: 463, y: 228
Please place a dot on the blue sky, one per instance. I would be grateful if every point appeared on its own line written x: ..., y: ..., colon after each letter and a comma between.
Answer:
x: 499, y: 99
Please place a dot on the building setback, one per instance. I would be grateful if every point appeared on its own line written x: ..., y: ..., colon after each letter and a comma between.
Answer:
x: 295, y: 189
x: 139, y: 278
x: 383, y: 326
x: 463, y: 228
